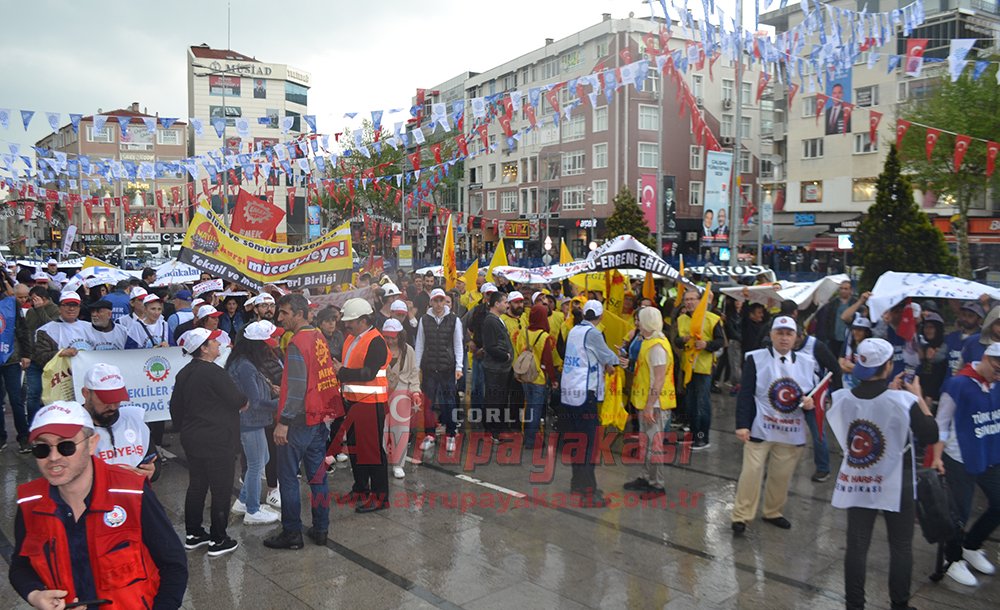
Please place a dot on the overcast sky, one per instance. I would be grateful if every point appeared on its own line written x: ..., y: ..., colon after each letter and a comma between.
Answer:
x: 62, y: 56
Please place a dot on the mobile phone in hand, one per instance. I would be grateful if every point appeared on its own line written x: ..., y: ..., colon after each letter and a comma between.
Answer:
x: 150, y: 457
x: 88, y: 602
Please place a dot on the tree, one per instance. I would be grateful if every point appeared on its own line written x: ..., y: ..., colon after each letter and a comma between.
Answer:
x: 968, y: 107
x: 627, y: 219
x: 895, y: 234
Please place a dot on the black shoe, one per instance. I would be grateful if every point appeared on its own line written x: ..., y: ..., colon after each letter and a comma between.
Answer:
x: 284, y: 540
x: 640, y: 484
x: 193, y: 541
x: 25, y: 446
x: 3, y: 445
x: 739, y: 527
x: 819, y: 477
x: 371, y: 505
x: 781, y: 522
x: 654, y: 491
x: 221, y: 547
x: 716, y: 389
x: 699, y: 445
x: 317, y: 536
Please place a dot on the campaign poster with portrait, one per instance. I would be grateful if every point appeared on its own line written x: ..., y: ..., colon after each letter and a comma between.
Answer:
x: 718, y: 176
x: 259, y: 89
x: 838, y: 89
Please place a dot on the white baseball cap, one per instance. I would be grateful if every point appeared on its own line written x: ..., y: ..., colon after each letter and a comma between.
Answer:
x: 534, y: 296
x: 40, y: 276
x: 107, y: 382
x: 195, y: 338
x: 861, y: 322
x: 872, y: 355
x: 195, y: 304
x: 63, y: 418
x: 208, y: 312
x: 487, y: 288
x: 392, y: 327
x: 52, y: 261
x: 594, y: 306
x: 263, y: 330
x: 69, y: 297
x: 785, y: 322
x: 515, y: 296
x: 264, y: 297
x: 150, y: 298
x: 437, y: 293
x: 993, y: 349
x: 137, y: 293
x: 398, y: 306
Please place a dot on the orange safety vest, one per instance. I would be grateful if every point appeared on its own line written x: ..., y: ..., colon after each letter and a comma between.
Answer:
x: 375, y: 390
x: 123, y: 569
x: 322, y: 398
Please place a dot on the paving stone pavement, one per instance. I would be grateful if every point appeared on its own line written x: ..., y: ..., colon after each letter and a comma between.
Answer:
x: 494, y: 551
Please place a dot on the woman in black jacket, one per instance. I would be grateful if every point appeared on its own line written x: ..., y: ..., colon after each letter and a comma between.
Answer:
x: 205, y: 407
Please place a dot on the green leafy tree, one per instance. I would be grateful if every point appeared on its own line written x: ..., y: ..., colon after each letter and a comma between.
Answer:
x: 627, y: 219
x: 968, y: 107
x: 895, y: 234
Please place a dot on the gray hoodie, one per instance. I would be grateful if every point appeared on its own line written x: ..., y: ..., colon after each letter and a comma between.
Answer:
x: 986, y: 336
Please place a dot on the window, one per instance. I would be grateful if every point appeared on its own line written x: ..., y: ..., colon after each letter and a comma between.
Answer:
x: 297, y: 94
x: 649, y: 154
x: 602, y: 48
x: 812, y: 191
x: 549, y: 134
x: 727, y: 90
x: 508, y: 202
x: 106, y: 135
x: 696, y: 85
x: 726, y: 127
x: 863, y: 143
x: 695, y: 158
x: 573, y: 163
x: 767, y: 168
x: 136, y: 139
x: 508, y: 174
x: 491, y: 200
x: 550, y: 68
x: 296, y: 120
x: 812, y: 148
x: 272, y: 114
x: 232, y: 113
x: 649, y: 118
x: 508, y: 82
x: 601, y: 118
x: 866, y: 96
x: 745, y: 94
x: 746, y: 162
x: 745, y: 127
x: 168, y: 137
x: 901, y: 91
x: 600, y: 156
x: 809, y: 106
x: 474, y: 173
x: 694, y: 193
x: 493, y: 172
x: 573, y: 198
x: 863, y: 189
x: 576, y: 129
x: 652, y: 82
x: 600, y: 190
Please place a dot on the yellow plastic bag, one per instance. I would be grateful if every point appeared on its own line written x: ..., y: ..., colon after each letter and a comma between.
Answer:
x: 612, y: 411
x: 57, y: 380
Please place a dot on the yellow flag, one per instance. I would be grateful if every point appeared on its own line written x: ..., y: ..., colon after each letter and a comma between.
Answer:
x: 614, y: 328
x: 564, y: 255
x: 89, y: 262
x: 648, y: 289
x: 679, y: 287
x: 499, y: 260
x: 449, y: 269
x: 697, y: 321
x: 470, y: 276
x: 614, y: 299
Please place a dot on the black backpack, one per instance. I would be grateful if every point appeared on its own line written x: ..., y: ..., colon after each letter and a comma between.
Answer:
x: 936, y: 508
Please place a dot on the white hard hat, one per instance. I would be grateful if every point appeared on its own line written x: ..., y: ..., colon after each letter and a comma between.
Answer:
x: 355, y: 308
x: 390, y: 289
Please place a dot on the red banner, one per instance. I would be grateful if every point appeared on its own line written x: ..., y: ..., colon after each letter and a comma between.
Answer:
x: 961, y: 146
x: 931, y: 140
x: 992, y: 148
x: 648, y: 199
x: 914, y: 56
x: 255, y: 218
x: 820, y: 105
x: 874, y: 118
x: 901, y: 127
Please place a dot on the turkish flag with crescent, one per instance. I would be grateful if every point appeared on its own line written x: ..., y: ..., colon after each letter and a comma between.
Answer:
x: 792, y: 90
x: 901, y: 127
x: 648, y: 199
x: 820, y: 105
x: 961, y: 146
x: 874, y: 118
x: 930, y: 140
x: 992, y: 148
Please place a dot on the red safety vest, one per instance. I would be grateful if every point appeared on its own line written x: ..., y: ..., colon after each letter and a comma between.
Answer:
x: 371, y: 392
x: 123, y: 569
x: 323, y: 401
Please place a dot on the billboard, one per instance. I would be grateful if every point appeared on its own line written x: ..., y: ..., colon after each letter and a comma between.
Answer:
x: 838, y: 89
x: 718, y: 176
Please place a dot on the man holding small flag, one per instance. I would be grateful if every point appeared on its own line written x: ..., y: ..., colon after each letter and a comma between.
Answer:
x: 699, y: 334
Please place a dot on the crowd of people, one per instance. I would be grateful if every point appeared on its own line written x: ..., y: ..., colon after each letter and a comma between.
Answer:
x: 287, y: 387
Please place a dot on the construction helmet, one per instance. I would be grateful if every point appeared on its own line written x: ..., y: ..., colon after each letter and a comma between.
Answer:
x: 355, y: 308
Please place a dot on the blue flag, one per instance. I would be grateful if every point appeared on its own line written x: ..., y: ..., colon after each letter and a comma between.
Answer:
x: 8, y: 314
x: 26, y: 117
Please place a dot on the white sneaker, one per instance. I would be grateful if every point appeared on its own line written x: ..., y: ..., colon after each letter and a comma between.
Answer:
x: 959, y: 572
x: 977, y: 559
x: 342, y: 457
x: 262, y: 517
x: 398, y: 472
x: 274, y: 498
x: 239, y: 508
x: 427, y: 444
x: 449, y: 445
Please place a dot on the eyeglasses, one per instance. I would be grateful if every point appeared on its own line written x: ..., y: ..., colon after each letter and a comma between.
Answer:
x: 65, y: 448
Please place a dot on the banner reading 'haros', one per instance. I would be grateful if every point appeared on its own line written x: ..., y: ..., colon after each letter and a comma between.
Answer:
x: 252, y: 263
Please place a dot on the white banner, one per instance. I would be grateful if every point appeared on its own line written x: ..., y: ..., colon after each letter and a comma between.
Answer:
x: 149, y: 375
x: 803, y: 293
x: 892, y: 288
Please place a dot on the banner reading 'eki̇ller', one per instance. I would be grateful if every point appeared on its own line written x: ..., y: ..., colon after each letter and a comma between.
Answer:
x: 253, y: 263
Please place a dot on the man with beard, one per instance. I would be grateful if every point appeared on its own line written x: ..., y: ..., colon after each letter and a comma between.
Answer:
x: 123, y: 436
x: 970, y: 318
x: 263, y: 307
x: 105, y: 334
x: 976, y: 345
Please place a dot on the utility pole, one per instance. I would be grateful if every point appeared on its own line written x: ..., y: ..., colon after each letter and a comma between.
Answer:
x: 735, y: 219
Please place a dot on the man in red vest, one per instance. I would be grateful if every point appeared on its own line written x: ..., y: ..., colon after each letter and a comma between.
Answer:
x: 310, y: 398
x: 88, y: 531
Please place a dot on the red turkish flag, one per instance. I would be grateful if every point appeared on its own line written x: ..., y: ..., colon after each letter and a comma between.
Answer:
x: 901, y: 127
x: 463, y: 146
x: 159, y: 199
x: 650, y: 41
x: 49, y: 206
x: 436, y: 149
x: 70, y: 202
x: 930, y: 140
x: 415, y: 159
x: 204, y: 186
x: 190, y: 192
x: 961, y: 146
x: 848, y: 108
x: 505, y: 124
x: 553, y: 96
x: 626, y: 55
x: 291, y: 200
x: 484, y: 131
x: 763, y: 78
x: 29, y: 209
x: 874, y: 118
x: 529, y: 111
x: 88, y: 206
x: 125, y: 204
x: 175, y: 193
x: 792, y: 90
x: 992, y: 149
x: 107, y: 206
x: 820, y: 105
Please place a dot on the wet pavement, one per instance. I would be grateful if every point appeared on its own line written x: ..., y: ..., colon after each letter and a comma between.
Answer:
x: 497, y: 537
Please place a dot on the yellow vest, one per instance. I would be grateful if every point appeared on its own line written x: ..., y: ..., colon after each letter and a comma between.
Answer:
x: 704, y: 359
x: 514, y: 330
x: 537, y: 344
x: 644, y: 377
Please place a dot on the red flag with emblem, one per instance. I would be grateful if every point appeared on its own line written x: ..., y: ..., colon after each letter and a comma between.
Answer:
x: 819, y: 394
x: 992, y: 149
x: 88, y: 207
x: 463, y: 146
x: 792, y: 90
x: 820, y: 105
x: 552, y: 95
x: 847, y: 109
x: 484, y: 135
x: 159, y: 199
x: 125, y: 204
x: 874, y: 118
x: 107, y: 206
x: 901, y: 127
x: 763, y: 78
x: 190, y: 191
x: 204, y: 186
x: 29, y: 209
x: 961, y: 146
x: 930, y: 140
x: 436, y: 149
x: 529, y: 111
x: 291, y: 200
x: 415, y: 159
x: 175, y: 193
x: 49, y: 206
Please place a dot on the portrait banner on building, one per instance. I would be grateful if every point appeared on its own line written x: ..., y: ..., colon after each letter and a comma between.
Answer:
x: 252, y: 263
x: 149, y: 375
x: 718, y: 174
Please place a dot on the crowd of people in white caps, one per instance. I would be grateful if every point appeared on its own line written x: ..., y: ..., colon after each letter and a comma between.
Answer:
x: 282, y: 388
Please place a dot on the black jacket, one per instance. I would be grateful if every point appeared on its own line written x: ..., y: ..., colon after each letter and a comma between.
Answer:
x: 496, y: 342
x: 205, y: 408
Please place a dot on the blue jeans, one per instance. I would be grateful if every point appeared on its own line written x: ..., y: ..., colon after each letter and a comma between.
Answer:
x: 439, y: 390
x: 535, y: 397
x: 699, y: 406
x: 821, y: 452
x: 306, y: 445
x: 255, y: 448
x: 10, y: 378
x: 33, y: 396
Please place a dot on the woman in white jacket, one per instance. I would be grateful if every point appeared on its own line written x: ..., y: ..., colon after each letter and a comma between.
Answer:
x: 404, y: 395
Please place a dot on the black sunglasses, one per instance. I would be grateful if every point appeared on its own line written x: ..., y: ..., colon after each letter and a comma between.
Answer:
x: 65, y: 448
